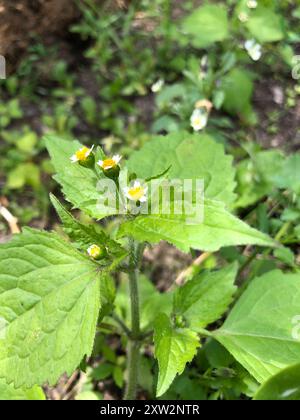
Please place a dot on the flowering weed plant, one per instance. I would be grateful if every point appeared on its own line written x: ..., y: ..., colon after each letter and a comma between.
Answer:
x: 57, y: 290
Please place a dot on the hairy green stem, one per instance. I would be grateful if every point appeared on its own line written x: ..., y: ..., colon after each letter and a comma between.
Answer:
x: 134, y: 338
x: 135, y: 307
x: 133, y: 354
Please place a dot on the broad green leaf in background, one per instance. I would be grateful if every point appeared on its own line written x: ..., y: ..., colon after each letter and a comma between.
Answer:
x: 27, y: 142
x: 204, y: 299
x: 289, y: 175
x: 79, y: 184
x: 217, y: 355
x: 238, y: 88
x: 266, y: 25
x: 255, y: 176
x: 50, y: 298
x: 189, y: 156
x: 153, y: 302
x: 10, y: 393
x: 285, y: 255
x: 170, y: 93
x: 260, y: 330
x: 87, y: 235
x: 284, y: 386
x: 218, y: 229
x: 174, y: 348
x: 24, y: 174
x: 206, y: 25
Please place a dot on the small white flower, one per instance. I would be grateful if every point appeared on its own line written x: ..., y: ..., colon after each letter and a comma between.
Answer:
x: 199, y: 119
x: 137, y: 192
x: 243, y: 17
x: 252, y: 4
x: 109, y: 163
x: 157, y: 86
x: 254, y: 49
x: 81, y: 155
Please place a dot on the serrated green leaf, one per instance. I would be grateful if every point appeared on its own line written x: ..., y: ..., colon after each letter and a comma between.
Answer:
x: 204, y: 299
x: 107, y: 295
x: 206, y: 25
x: 87, y: 235
x: 9, y: 393
x: 189, y: 156
x: 284, y: 386
x: 261, y: 330
x: 218, y: 229
x: 79, y: 184
x: 50, y: 301
x: 174, y: 348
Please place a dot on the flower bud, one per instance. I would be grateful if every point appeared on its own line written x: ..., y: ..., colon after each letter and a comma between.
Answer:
x: 97, y: 253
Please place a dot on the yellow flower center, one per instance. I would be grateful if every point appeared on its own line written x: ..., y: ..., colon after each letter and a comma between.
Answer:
x: 94, y: 251
x: 136, y: 193
x: 82, y: 154
x: 108, y: 164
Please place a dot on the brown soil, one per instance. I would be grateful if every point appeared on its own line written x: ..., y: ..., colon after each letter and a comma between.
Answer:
x: 21, y: 19
x: 166, y: 263
x: 270, y: 97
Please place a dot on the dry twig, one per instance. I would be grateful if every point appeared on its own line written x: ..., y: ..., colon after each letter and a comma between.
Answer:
x: 10, y: 219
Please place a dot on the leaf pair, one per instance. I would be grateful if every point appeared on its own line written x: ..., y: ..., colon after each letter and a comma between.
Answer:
x: 261, y: 332
x: 200, y: 302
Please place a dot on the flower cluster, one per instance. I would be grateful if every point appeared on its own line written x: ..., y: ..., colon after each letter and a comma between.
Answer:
x: 111, y: 169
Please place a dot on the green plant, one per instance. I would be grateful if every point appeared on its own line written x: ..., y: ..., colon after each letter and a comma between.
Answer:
x: 65, y: 289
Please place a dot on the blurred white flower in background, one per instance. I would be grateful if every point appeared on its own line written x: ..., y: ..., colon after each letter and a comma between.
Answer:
x: 252, y: 4
x: 157, y: 86
x: 243, y: 17
x: 254, y: 49
x: 199, y: 119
